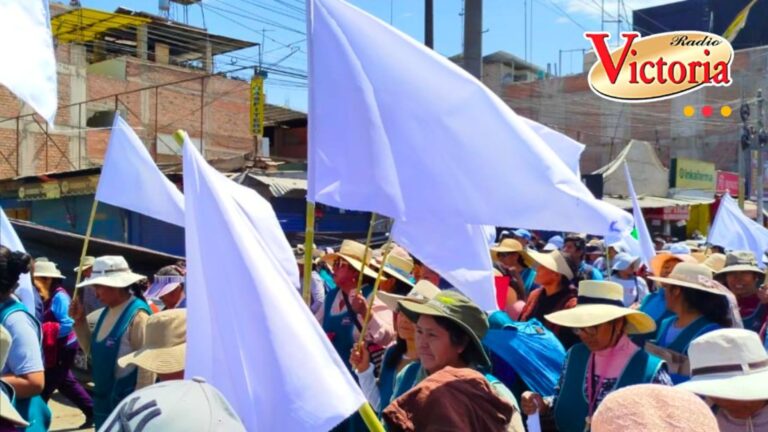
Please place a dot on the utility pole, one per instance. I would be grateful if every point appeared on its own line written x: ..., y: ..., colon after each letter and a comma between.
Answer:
x: 473, y: 37
x: 429, y: 24
x: 746, y: 137
x: 762, y: 138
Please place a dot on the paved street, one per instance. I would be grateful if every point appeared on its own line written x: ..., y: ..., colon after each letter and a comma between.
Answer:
x: 66, y: 417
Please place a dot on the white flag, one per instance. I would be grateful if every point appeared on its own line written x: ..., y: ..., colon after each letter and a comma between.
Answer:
x: 567, y: 148
x: 400, y: 130
x: 647, y: 248
x: 11, y: 240
x: 131, y: 180
x: 733, y: 230
x: 28, y: 66
x: 252, y: 337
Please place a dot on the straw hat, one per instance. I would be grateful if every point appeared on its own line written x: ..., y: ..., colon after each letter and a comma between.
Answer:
x: 398, y: 267
x: 422, y: 292
x: 738, y: 261
x: 728, y: 364
x: 699, y: 256
x: 657, y: 262
x: 45, y: 268
x: 510, y: 245
x: 87, y: 263
x: 165, y: 343
x: 653, y: 407
x: 687, y: 275
x: 7, y: 411
x: 354, y: 253
x: 457, y: 308
x: 111, y: 271
x: 716, y: 262
x: 554, y: 261
x: 600, y: 302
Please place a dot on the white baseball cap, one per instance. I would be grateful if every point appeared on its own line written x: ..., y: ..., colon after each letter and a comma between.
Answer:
x: 171, y: 406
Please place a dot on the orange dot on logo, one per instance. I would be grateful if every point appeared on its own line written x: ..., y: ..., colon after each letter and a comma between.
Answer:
x: 726, y: 111
x: 689, y: 111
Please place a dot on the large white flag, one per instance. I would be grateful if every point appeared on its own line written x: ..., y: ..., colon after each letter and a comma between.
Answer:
x: 28, y: 65
x: 733, y: 230
x: 567, y: 148
x: 398, y: 129
x: 252, y: 336
x: 647, y: 248
x: 11, y: 240
x: 130, y: 179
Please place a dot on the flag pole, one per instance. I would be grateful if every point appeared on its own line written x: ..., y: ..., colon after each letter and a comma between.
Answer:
x: 309, y: 239
x: 88, y: 231
x: 367, y: 251
x: 368, y: 311
x: 370, y: 419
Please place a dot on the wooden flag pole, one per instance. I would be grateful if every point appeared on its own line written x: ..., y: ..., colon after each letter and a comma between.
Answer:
x: 368, y: 311
x: 367, y: 251
x: 309, y: 239
x: 370, y: 418
x: 88, y: 231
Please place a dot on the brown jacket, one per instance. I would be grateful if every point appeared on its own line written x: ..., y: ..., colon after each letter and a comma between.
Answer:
x: 450, y: 400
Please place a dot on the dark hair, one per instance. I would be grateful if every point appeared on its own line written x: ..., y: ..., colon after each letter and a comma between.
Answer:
x: 398, y: 350
x: 566, y: 283
x: 12, y: 265
x: 577, y: 241
x: 714, y: 307
x: 460, y: 337
x: 137, y: 289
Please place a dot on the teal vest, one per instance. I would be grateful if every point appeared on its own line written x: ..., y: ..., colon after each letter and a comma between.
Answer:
x: 108, y: 390
x: 406, y: 379
x: 340, y: 328
x: 571, y: 409
x: 693, y: 330
x: 34, y: 410
x: 387, y: 379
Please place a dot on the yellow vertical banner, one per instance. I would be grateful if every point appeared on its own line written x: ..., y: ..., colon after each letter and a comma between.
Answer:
x: 257, y: 105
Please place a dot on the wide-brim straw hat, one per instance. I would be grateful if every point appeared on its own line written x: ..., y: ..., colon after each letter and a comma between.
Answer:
x: 657, y: 262
x: 653, y: 408
x: 694, y: 276
x: 354, y: 253
x: 48, y: 269
x: 397, y: 267
x: 600, y: 302
x: 554, y: 261
x: 8, y: 411
x: 459, y: 309
x: 510, y: 245
x: 87, y: 263
x: 728, y: 364
x: 165, y: 343
x: 423, y: 292
x: 740, y: 261
x: 111, y: 271
x: 716, y: 262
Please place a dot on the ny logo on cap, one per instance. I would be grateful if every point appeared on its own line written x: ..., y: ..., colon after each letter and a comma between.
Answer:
x: 127, y: 412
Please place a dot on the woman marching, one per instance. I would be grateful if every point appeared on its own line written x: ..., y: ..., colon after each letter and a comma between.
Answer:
x: 24, y: 370
x: 119, y: 331
x: 604, y: 361
x: 59, y: 340
x: 699, y: 307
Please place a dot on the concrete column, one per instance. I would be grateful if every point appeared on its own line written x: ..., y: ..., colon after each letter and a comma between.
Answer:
x: 208, y: 57
x: 162, y: 53
x: 142, y: 47
x: 473, y: 37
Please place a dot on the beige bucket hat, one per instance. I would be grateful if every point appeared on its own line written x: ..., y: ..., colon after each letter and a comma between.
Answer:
x: 695, y: 276
x: 111, y: 271
x: 7, y: 411
x: 423, y: 292
x: 165, y: 343
x: 87, y: 263
x: 728, y: 364
x: 354, y: 254
x: 600, y: 302
x: 509, y: 245
x: 738, y: 261
x: 49, y: 269
x: 554, y: 261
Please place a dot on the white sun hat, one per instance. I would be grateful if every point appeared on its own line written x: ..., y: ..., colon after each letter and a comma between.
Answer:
x: 111, y: 271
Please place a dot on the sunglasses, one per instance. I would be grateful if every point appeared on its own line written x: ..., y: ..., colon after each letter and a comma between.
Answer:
x: 505, y: 254
x: 586, y: 331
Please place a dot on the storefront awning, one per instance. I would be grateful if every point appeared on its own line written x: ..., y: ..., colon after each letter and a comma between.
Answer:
x: 651, y: 202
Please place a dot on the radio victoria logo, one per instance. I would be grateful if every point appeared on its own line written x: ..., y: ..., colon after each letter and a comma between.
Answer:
x: 661, y: 66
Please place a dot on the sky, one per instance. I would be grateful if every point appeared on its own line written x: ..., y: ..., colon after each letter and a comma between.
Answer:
x: 553, y: 26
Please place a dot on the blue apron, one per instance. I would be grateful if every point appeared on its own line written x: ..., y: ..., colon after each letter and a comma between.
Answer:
x: 571, y: 409
x: 387, y: 379
x: 680, y: 344
x: 340, y: 329
x: 655, y: 306
x: 755, y: 321
x: 108, y: 390
x: 34, y: 410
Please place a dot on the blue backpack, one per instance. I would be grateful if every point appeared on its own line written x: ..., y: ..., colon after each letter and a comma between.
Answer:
x: 525, y: 350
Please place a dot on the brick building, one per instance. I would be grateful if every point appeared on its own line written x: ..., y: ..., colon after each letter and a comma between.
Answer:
x: 127, y: 62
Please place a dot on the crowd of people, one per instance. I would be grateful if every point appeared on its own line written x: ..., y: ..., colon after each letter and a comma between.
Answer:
x: 613, y: 330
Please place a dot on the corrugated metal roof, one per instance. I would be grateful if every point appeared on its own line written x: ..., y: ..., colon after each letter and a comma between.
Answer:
x: 83, y: 24
x: 649, y: 202
x: 279, y: 186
